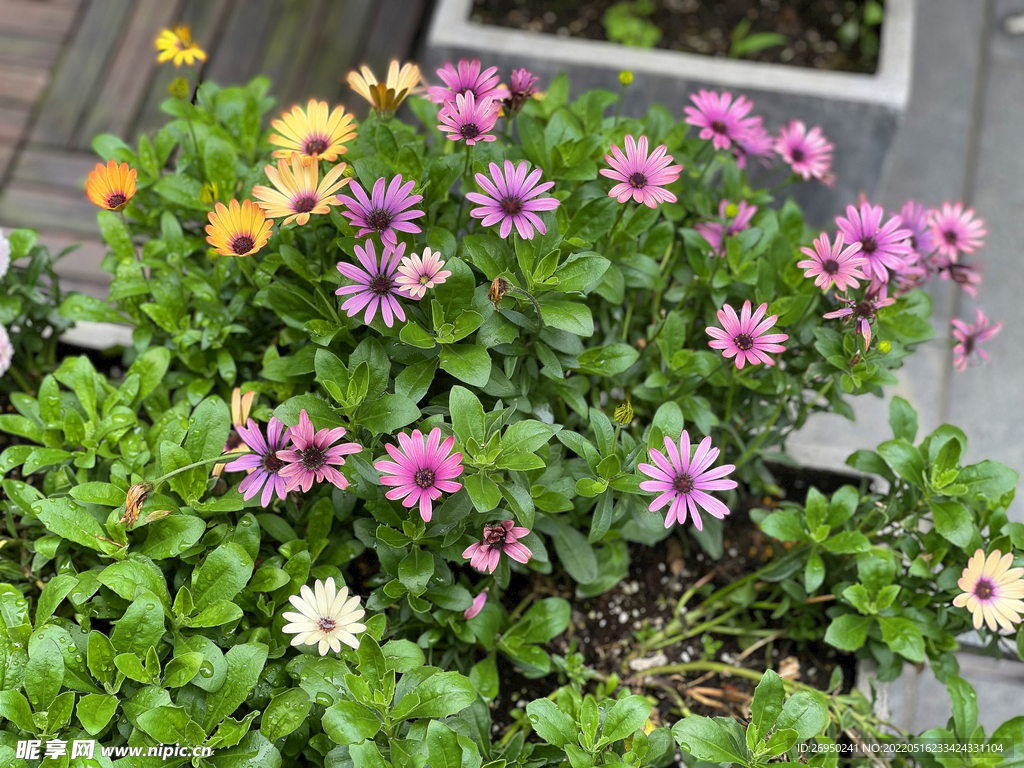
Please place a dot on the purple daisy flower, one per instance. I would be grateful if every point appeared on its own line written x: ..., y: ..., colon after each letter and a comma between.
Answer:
x: 376, y: 284
x: 640, y: 176
x: 967, y: 276
x: 683, y: 482
x: 743, y: 337
x: 468, y: 78
x: 383, y: 211
x: 520, y: 91
x: 501, y: 537
x: 884, y: 247
x: 956, y: 231
x: 468, y: 119
x: 421, y: 470
x: 313, y: 456
x: 915, y: 218
x: 511, y: 198
x: 715, y: 232
x: 808, y: 153
x: 969, y: 337
x: 757, y: 143
x: 263, y: 464
x: 862, y: 312
x: 832, y: 264
x: 720, y: 119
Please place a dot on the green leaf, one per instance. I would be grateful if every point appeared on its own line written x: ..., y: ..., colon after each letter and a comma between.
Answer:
x: 551, y: 723
x: 65, y: 518
x: 181, y: 190
x: 902, y: 419
x: 95, y: 710
x: 44, y: 673
x: 467, y: 415
x: 627, y: 716
x: 905, y: 459
x: 847, y: 542
x: 575, y: 552
x: 222, y: 575
x: 168, y: 725
x: 445, y: 748
x: 953, y: 521
x: 181, y: 669
x: 15, y: 708
x: 415, y: 571
x: 965, y: 706
x: 804, y: 712
x: 581, y: 270
x: 151, y: 367
x: 767, y: 705
x: 55, y: 591
x: 718, y: 740
x: 442, y: 695
x: 98, y: 493
x: 208, y: 430
x: 245, y: 664
x: 784, y: 525
x: 285, y: 714
x: 219, y: 613
x: 569, y: 316
x: 848, y: 632
x: 902, y: 636
x: 989, y: 479
x: 814, y: 572
x: 389, y: 413
x: 170, y: 536
x: 608, y: 361
x: 467, y: 363
x: 526, y: 436
x: 484, y: 676
x: 141, y: 627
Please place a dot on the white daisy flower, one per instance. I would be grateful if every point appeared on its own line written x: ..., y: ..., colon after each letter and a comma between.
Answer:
x: 327, y: 617
x: 5, y: 254
x: 6, y: 351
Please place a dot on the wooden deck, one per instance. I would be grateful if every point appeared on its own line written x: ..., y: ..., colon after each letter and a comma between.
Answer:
x: 71, y: 69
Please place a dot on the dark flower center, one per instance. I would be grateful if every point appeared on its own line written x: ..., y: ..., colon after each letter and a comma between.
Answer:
x: 868, y: 245
x: 638, y: 181
x: 316, y: 146
x: 511, y: 206
x: 718, y: 126
x: 271, y: 463
x: 831, y: 266
x: 950, y: 237
x: 378, y: 219
x: 864, y: 310
x: 381, y: 285
x: 305, y: 204
x: 744, y: 341
x: 797, y: 154
x: 312, y: 458
x: 116, y: 200
x: 495, y: 535
x: 242, y: 244
x: 683, y: 483
x: 424, y: 478
x: 984, y: 589
x: 469, y: 131
x: 326, y: 624
x: 913, y: 242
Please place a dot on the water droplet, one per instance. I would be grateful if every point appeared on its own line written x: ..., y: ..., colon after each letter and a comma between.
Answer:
x: 62, y: 640
x: 324, y: 700
x: 206, y: 669
x: 150, y: 606
x: 21, y: 603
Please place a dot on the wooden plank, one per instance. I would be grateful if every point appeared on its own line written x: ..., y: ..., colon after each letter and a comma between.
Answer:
x: 13, y: 121
x: 36, y: 20
x: 6, y: 156
x: 54, y: 168
x: 393, y: 33
x: 27, y: 52
x: 22, y: 84
x: 240, y: 50
x: 25, y: 205
x: 126, y: 79
x: 80, y: 72
x: 290, y: 47
x: 82, y: 265
x: 338, y: 49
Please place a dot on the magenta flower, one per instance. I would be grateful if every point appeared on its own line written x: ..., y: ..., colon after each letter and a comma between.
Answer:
x: 478, y: 605
x: 417, y: 275
x: 467, y: 79
x: 383, y: 212
x: 743, y: 337
x: 421, y: 470
x: 262, y: 464
x: 683, y: 482
x: 969, y: 337
x: 830, y: 264
x: 720, y: 119
x: 913, y: 273
x: 520, y: 91
x: 915, y: 218
x: 641, y: 177
x: 862, y: 312
x: 313, y: 456
x: 757, y: 143
x: 715, y: 232
x: 956, y: 231
x: 967, y: 276
x: 511, y: 198
x: 884, y: 247
x: 498, y: 538
x: 376, y: 285
x: 808, y: 153
x: 469, y: 119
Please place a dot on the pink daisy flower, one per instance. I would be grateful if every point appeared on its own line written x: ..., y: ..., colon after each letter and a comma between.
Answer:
x: 383, y: 212
x: 512, y: 198
x: 967, y: 276
x: 720, y: 119
x: 467, y: 79
x: 915, y: 218
x: 498, y: 538
x: 478, y: 605
x: 375, y: 284
x: 969, y: 338
x: 313, y: 456
x: 468, y: 119
x: 743, y: 337
x: 912, y: 274
x: 956, y: 231
x: 992, y: 590
x: 808, y: 153
x: 715, y: 232
x: 683, y: 482
x: 641, y: 177
x: 417, y: 275
x: 421, y: 470
x: 521, y: 90
x: 263, y: 464
x: 884, y: 247
x: 832, y: 264
x: 862, y: 312
x: 757, y: 143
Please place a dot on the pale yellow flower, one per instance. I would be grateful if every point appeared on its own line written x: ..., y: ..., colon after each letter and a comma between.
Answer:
x: 992, y: 590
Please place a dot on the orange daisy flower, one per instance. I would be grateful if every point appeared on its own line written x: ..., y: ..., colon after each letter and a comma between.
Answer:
x: 238, y: 230
x: 111, y: 186
x: 177, y: 45
x: 992, y: 590
x: 313, y: 132
x: 388, y: 96
x: 298, y: 194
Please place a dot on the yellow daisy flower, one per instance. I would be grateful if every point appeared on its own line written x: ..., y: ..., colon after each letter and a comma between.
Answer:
x: 313, y: 132
x: 111, y: 186
x: 992, y: 590
x: 388, y: 96
x: 297, y: 193
x: 238, y: 230
x: 177, y: 45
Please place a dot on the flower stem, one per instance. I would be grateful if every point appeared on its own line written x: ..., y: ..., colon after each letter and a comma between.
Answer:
x: 764, y: 433
x: 128, y: 231
x: 465, y: 173
x: 20, y: 380
x: 216, y: 460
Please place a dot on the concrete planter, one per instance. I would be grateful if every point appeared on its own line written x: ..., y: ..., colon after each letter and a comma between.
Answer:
x: 859, y: 113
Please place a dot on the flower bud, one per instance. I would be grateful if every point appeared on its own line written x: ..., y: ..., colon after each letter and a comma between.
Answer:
x: 178, y: 88
x: 133, y: 502
x: 208, y: 194
x: 884, y: 347
x: 624, y: 413
x: 731, y: 210
x: 625, y: 77
x: 497, y: 290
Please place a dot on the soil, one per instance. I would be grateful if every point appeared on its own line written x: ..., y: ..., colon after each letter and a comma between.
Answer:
x: 821, y: 34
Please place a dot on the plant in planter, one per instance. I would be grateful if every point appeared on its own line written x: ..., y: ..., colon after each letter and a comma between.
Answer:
x: 492, y: 422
